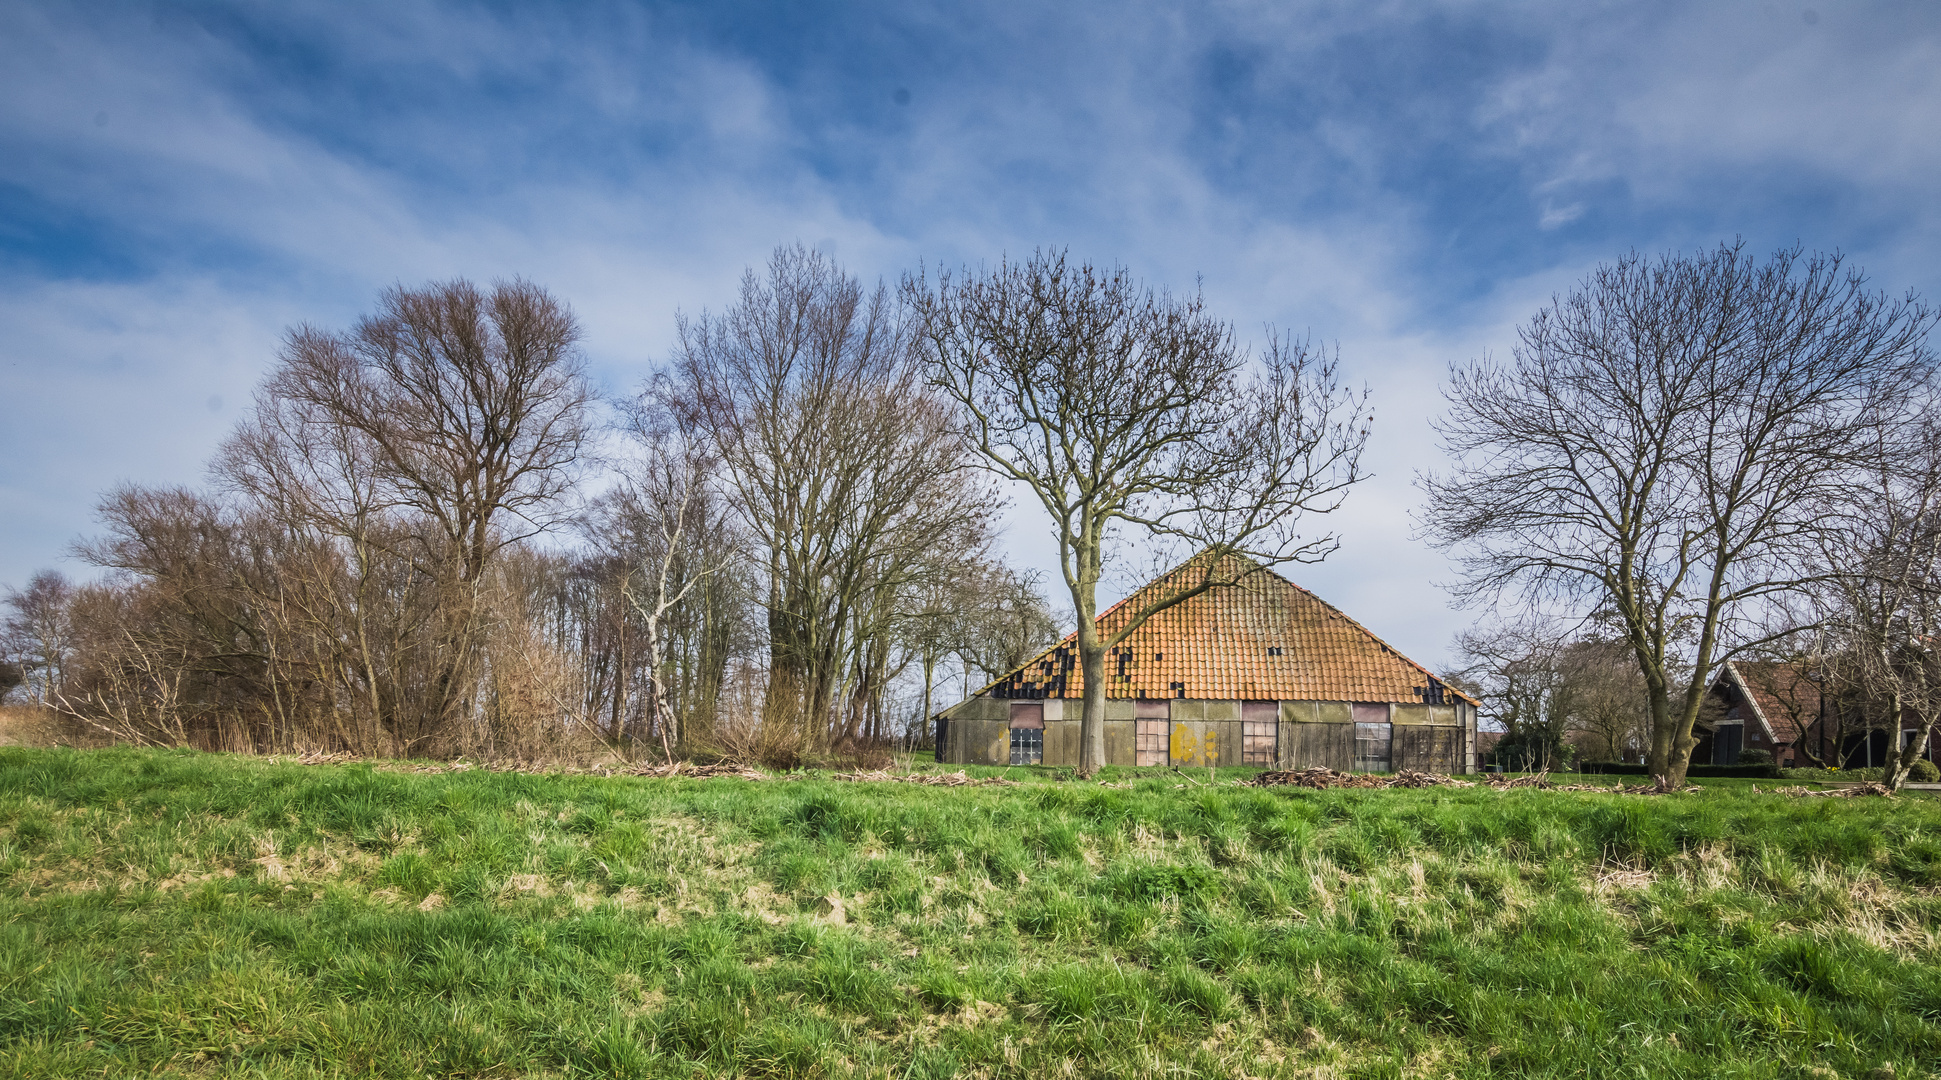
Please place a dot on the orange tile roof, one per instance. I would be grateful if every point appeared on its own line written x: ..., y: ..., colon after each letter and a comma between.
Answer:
x: 1215, y: 646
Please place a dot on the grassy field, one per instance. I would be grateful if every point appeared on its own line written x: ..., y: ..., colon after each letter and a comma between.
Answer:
x: 183, y: 914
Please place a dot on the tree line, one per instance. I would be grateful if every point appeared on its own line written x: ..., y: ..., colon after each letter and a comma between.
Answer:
x: 423, y: 540
x: 430, y: 536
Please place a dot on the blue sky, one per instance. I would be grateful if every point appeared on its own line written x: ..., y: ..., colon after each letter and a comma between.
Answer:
x: 179, y: 183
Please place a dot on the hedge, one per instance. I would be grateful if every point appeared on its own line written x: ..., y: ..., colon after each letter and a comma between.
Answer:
x: 1625, y: 768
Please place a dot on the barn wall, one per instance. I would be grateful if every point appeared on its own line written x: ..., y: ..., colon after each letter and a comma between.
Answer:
x: 1061, y: 741
x: 1427, y: 748
x: 1431, y: 738
x: 1327, y: 744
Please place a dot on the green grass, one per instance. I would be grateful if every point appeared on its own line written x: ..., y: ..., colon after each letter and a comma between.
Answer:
x: 184, y: 914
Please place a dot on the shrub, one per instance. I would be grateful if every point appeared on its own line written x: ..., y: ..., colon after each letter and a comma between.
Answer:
x: 1755, y: 757
x: 1925, y: 772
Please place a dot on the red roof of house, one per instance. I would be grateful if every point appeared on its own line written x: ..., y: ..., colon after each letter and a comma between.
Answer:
x: 1216, y: 646
x: 1784, y: 700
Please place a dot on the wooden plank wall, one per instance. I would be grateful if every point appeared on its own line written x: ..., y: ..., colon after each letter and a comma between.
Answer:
x: 1427, y: 749
x: 1329, y: 745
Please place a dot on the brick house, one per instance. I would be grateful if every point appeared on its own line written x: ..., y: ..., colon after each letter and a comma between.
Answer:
x: 1778, y: 706
x: 1262, y: 672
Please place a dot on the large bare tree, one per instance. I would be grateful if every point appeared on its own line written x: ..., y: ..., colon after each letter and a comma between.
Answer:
x: 1126, y: 411
x: 1663, y: 444
x: 844, y: 467
x: 1881, y: 600
x: 444, y: 427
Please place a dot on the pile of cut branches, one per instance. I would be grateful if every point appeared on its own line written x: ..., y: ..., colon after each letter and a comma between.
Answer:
x: 1542, y: 782
x: 956, y: 779
x: 695, y: 772
x: 1859, y: 791
x: 1320, y: 776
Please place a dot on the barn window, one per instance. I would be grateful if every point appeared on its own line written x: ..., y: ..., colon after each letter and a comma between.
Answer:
x: 1374, y: 736
x: 1027, y: 746
x: 1260, y: 733
x: 1027, y: 732
x: 1149, y: 746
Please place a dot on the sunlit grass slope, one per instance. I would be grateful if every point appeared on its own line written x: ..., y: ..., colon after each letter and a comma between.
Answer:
x: 166, y: 913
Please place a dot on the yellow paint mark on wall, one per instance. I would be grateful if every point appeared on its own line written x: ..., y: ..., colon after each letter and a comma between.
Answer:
x: 1190, y: 749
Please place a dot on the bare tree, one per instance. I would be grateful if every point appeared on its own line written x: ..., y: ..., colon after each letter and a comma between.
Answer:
x: 1121, y: 409
x: 38, y: 634
x: 843, y: 467
x: 1549, y: 688
x: 682, y: 543
x: 1882, y: 598
x: 1518, y: 672
x: 439, y: 430
x: 1664, y: 443
x: 1002, y: 620
x: 1611, y: 705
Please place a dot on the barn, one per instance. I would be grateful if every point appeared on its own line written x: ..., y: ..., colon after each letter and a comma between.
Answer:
x: 1261, y: 672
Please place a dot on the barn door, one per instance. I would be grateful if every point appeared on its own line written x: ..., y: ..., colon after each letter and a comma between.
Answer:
x: 1260, y: 733
x: 1027, y: 732
x: 1149, y: 746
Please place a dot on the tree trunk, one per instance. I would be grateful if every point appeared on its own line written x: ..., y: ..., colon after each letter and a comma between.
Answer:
x: 1091, y: 660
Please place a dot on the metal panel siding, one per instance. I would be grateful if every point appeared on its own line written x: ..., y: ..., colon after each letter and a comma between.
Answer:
x: 1333, y: 712
x: 1412, y: 714
x: 998, y: 743
x: 1297, y: 712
